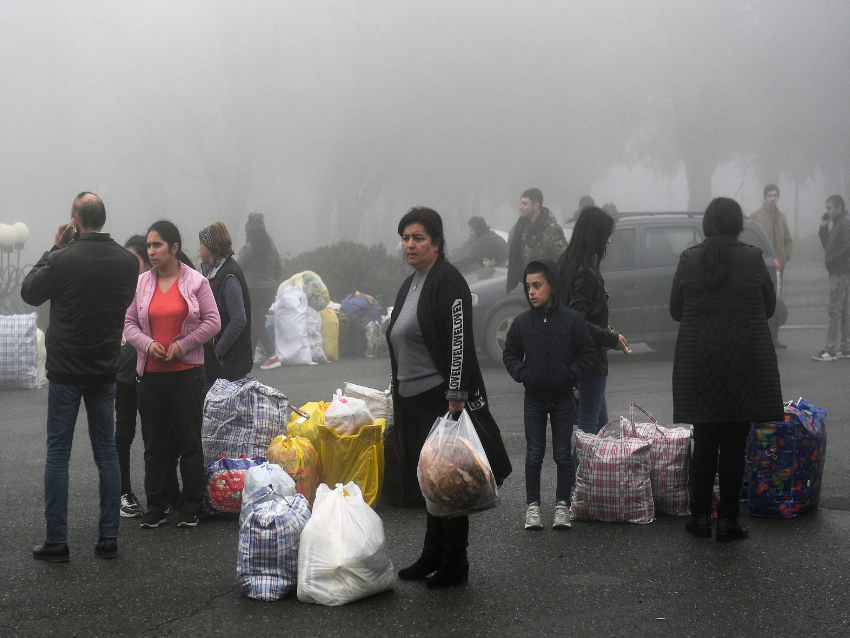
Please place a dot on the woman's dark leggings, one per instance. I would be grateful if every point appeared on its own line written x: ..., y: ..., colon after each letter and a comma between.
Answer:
x: 730, y: 440
x: 261, y: 299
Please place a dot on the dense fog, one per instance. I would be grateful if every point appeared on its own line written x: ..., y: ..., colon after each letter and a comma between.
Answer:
x: 333, y: 117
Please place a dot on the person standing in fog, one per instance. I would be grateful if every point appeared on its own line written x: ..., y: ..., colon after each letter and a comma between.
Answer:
x: 836, y: 245
x: 434, y: 371
x: 89, y: 283
x: 171, y: 318
x: 229, y: 355
x: 583, y: 290
x: 775, y: 224
x: 260, y: 262
x: 725, y: 374
x: 536, y: 235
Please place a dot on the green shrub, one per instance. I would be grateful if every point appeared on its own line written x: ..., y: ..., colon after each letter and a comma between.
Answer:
x: 347, y: 266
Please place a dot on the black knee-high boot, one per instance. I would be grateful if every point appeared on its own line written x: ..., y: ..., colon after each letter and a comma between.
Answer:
x: 432, y: 552
x: 454, y: 567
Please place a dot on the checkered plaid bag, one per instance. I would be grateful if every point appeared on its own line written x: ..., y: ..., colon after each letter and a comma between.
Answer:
x: 18, y: 352
x: 612, y: 482
x: 242, y: 417
x: 267, y: 560
x: 670, y: 455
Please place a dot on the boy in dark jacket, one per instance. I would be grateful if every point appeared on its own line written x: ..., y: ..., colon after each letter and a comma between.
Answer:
x: 548, y: 348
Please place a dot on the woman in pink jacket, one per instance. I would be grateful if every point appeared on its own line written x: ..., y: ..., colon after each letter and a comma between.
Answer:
x: 173, y: 314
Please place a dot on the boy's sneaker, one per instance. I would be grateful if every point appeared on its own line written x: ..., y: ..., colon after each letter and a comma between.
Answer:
x: 270, y: 364
x: 152, y: 519
x: 533, y: 519
x: 824, y: 355
x: 130, y: 506
x: 562, y: 516
x: 187, y: 519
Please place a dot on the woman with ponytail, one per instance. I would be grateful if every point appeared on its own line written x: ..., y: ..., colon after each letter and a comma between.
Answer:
x: 725, y: 373
x: 171, y: 318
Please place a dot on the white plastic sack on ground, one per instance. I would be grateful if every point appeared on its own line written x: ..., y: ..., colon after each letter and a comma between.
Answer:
x: 314, y: 336
x: 343, y: 555
x: 290, y: 327
x: 18, y: 352
x: 379, y: 403
x: 262, y: 483
x: 346, y: 414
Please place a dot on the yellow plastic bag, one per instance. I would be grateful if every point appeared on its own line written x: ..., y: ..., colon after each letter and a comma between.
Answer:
x: 330, y: 334
x: 354, y: 457
x: 308, y: 427
x: 298, y: 458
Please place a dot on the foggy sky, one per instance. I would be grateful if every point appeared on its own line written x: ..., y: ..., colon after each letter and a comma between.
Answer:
x: 333, y: 118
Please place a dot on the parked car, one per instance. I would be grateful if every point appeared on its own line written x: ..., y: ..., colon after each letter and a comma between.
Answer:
x: 638, y: 271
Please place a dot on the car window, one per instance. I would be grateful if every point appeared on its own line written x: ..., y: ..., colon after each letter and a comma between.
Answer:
x: 751, y: 237
x: 621, y: 251
x: 662, y: 245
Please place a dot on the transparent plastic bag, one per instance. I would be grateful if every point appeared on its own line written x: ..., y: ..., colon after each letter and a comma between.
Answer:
x: 454, y: 473
x: 263, y: 483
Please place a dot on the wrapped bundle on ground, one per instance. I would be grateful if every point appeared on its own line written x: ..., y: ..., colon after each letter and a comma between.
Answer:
x: 330, y: 334
x: 313, y: 286
x: 378, y: 402
x: 269, y: 540
x: 358, y: 458
x: 299, y: 459
x: 263, y: 483
x: 454, y: 473
x: 225, y: 482
x: 19, y: 352
x: 347, y: 414
x: 343, y: 555
x: 612, y: 482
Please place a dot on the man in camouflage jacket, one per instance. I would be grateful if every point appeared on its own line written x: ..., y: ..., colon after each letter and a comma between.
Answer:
x: 536, y: 235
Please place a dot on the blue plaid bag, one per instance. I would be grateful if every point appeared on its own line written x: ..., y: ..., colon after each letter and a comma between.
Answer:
x: 267, y: 561
x: 242, y: 417
x: 18, y: 352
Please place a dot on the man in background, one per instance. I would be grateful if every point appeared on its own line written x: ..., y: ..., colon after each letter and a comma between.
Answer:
x: 536, y: 235
x: 836, y: 245
x: 776, y: 226
x: 483, y: 248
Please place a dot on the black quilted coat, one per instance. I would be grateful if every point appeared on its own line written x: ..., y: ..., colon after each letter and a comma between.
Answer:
x: 725, y: 367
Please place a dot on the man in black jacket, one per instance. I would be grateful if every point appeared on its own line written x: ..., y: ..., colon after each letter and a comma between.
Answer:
x: 836, y: 244
x: 90, y: 283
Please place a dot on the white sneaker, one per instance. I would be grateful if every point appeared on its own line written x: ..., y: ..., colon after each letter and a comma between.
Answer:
x: 824, y: 355
x: 533, y: 519
x: 562, y: 516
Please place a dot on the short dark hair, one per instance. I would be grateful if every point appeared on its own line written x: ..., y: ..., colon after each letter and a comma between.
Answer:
x: 430, y: 220
x: 535, y: 267
x: 836, y: 200
x: 770, y: 188
x: 586, y: 201
x: 478, y: 225
x: 534, y: 195
x: 92, y: 212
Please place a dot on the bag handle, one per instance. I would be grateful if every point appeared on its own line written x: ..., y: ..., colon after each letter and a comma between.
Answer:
x: 632, y: 414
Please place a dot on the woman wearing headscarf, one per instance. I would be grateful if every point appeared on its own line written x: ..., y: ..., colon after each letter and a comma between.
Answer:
x: 725, y: 373
x: 171, y: 318
x: 434, y: 371
x: 229, y: 355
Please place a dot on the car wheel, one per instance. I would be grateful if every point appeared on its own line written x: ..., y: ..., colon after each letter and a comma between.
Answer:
x: 497, y: 331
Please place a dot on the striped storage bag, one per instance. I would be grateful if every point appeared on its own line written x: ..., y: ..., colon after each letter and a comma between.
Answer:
x: 19, y: 352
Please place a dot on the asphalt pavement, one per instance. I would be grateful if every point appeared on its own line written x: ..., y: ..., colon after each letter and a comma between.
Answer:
x: 789, y: 578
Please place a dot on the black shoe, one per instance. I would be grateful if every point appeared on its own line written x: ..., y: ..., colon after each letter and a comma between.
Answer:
x: 106, y: 547
x: 152, y: 519
x: 420, y: 569
x: 728, y: 529
x: 52, y: 552
x: 699, y: 525
x: 187, y: 519
x: 448, y: 576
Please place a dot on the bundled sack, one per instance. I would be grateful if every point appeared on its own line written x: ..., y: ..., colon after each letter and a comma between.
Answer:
x: 670, y: 456
x: 264, y: 482
x: 225, y: 482
x: 330, y: 334
x: 242, y: 417
x: 308, y: 426
x: 785, y: 462
x: 290, y: 327
x: 454, y: 473
x: 19, y: 352
x: 299, y: 459
x: 313, y: 286
x: 379, y: 403
x: 612, y: 482
x: 347, y: 414
x: 269, y: 539
x: 360, y: 310
x: 357, y: 458
x: 343, y: 555
x: 314, y: 336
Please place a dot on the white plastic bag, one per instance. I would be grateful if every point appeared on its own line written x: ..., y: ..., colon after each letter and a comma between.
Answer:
x: 379, y: 403
x: 314, y: 335
x: 262, y: 483
x: 454, y: 473
x: 346, y: 414
x: 343, y: 555
x: 290, y: 326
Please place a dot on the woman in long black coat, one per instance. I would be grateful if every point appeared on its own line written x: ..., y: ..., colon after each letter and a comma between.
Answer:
x: 725, y: 374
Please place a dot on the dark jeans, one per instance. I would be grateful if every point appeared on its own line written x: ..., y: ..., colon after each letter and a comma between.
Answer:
x: 63, y: 405
x: 592, y: 408
x: 261, y: 299
x: 560, y: 415
x: 171, y: 405
x: 125, y: 432
x: 730, y: 440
